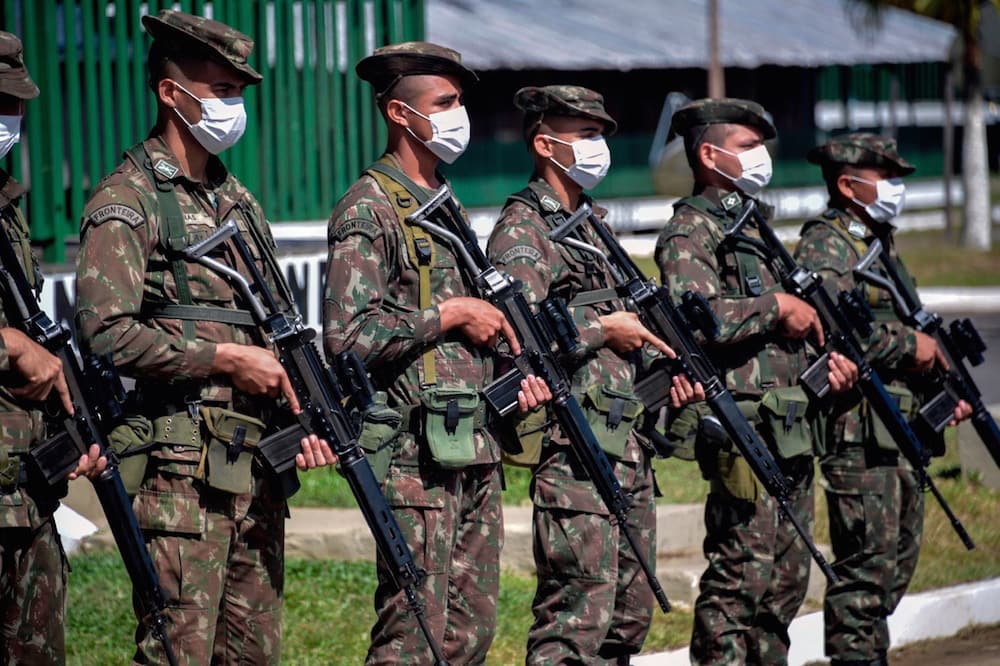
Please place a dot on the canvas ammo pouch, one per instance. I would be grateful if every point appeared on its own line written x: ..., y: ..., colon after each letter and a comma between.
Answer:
x: 531, y: 433
x: 379, y: 426
x: 721, y: 464
x: 450, y: 416
x: 611, y: 415
x: 227, y: 460
x: 131, y: 440
x: 876, y: 430
x: 783, y: 416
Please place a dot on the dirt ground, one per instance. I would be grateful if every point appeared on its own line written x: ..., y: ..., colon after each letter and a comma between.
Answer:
x: 976, y: 646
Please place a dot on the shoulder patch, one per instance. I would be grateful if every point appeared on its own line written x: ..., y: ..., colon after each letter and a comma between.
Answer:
x: 730, y: 201
x: 165, y: 169
x: 550, y: 204
x: 369, y: 230
x: 520, y: 252
x: 857, y: 229
x: 126, y: 214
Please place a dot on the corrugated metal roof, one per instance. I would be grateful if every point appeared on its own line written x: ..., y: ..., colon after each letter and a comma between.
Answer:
x: 655, y: 34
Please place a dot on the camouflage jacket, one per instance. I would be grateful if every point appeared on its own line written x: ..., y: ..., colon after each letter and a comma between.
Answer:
x: 691, y: 256
x: 520, y: 246
x: 371, y: 306
x: 831, y: 245
x: 124, y: 268
x: 20, y: 428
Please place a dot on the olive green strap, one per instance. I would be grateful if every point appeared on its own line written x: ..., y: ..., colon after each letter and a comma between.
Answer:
x: 198, y: 313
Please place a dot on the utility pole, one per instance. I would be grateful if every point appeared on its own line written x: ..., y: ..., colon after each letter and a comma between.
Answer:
x: 716, y: 75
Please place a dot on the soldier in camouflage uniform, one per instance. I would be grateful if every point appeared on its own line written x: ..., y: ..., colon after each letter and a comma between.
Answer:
x: 210, y: 512
x: 396, y: 296
x: 873, y: 497
x: 758, y: 567
x: 592, y: 605
x: 32, y: 562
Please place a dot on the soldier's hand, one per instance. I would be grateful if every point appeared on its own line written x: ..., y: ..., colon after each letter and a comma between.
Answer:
x: 928, y: 354
x: 478, y: 321
x: 534, y: 392
x: 40, y: 370
x: 962, y: 412
x: 843, y: 373
x: 91, y: 464
x: 799, y: 318
x: 316, y: 452
x: 682, y: 393
x: 624, y: 332
x: 254, y: 370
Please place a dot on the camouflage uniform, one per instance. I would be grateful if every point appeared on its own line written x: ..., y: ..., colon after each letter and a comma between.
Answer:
x: 592, y: 604
x: 758, y: 567
x: 450, y: 516
x: 875, y: 518
x: 32, y: 563
x: 218, y: 552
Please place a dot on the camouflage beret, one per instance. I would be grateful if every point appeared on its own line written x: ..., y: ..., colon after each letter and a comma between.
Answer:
x: 861, y: 149
x: 388, y: 64
x: 180, y: 30
x: 571, y: 101
x: 14, y: 79
x: 726, y: 110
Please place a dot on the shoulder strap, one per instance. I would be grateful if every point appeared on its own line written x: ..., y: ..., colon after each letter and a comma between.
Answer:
x: 402, y: 192
x: 172, y: 229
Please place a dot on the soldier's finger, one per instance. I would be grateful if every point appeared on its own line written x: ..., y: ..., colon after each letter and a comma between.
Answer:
x: 662, y: 346
x: 510, y: 336
x: 675, y: 399
x: 63, y: 391
x: 939, y: 358
x: 817, y: 329
x: 326, y: 453
x: 308, y: 456
x: 286, y: 390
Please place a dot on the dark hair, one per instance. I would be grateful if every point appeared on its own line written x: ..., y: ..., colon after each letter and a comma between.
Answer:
x: 185, y: 57
x: 696, y: 135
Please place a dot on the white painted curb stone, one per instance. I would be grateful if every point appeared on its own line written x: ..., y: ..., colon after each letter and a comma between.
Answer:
x: 928, y: 615
x: 73, y: 528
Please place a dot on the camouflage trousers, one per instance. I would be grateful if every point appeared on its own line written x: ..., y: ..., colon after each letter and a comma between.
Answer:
x: 863, y: 505
x: 756, y: 579
x: 593, y: 603
x: 32, y: 594
x: 910, y: 500
x: 453, y: 523
x: 220, y: 560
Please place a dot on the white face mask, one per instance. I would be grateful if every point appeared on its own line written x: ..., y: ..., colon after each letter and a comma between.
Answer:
x: 222, y: 121
x: 756, y: 169
x: 890, y: 194
x: 591, y: 160
x: 10, y: 133
x: 450, y: 130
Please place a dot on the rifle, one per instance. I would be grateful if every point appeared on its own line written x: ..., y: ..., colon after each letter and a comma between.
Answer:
x: 537, y: 335
x: 324, y: 403
x: 958, y: 342
x: 97, y: 395
x: 842, y: 321
x: 675, y: 325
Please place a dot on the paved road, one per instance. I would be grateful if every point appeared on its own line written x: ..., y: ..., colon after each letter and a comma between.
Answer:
x: 987, y: 375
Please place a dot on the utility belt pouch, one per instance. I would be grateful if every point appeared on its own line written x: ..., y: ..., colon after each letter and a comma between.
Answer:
x: 611, y: 415
x: 379, y: 426
x: 523, y: 440
x: 449, y: 424
x: 783, y: 420
x: 131, y: 441
x: 227, y: 464
x: 720, y: 462
x: 878, y: 433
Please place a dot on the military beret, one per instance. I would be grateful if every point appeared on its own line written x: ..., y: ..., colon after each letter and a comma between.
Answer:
x: 388, y: 64
x: 572, y: 101
x: 14, y: 79
x: 861, y: 149
x: 726, y: 110
x: 179, y: 30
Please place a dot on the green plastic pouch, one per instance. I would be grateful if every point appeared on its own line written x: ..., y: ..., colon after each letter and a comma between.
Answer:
x: 530, y: 431
x: 130, y: 441
x: 783, y: 413
x: 449, y: 424
x: 735, y: 477
x: 379, y: 426
x: 227, y: 464
x: 907, y: 407
x: 683, y: 426
x: 611, y: 415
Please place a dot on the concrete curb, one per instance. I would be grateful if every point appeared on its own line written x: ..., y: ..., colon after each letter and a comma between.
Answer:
x: 928, y: 615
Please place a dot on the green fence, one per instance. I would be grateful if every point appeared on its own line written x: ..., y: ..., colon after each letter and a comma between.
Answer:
x: 311, y: 126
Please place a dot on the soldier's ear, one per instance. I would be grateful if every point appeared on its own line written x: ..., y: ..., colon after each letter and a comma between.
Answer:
x: 706, y: 155
x: 542, y: 145
x: 845, y: 185
x: 165, y: 91
x: 395, y: 111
